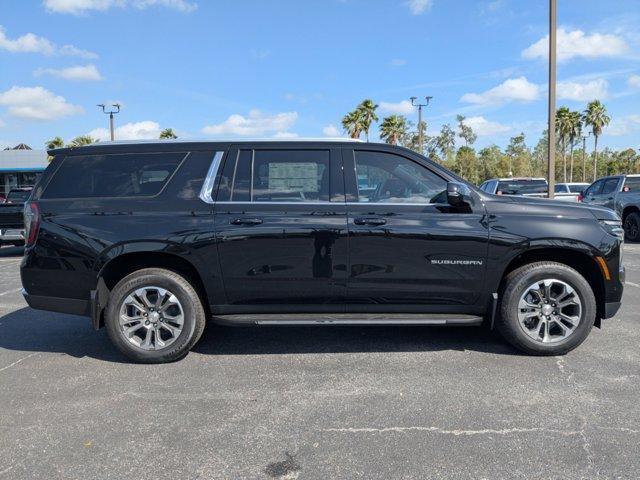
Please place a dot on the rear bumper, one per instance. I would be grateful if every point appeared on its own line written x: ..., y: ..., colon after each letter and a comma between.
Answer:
x: 57, y: 304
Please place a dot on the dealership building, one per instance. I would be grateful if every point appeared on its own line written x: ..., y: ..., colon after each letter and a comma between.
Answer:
x: 20, y: 166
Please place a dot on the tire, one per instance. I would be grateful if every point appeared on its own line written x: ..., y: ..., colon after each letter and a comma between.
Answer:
x: 555, y: 340
x: 632, y: 227
x: 171, y: 340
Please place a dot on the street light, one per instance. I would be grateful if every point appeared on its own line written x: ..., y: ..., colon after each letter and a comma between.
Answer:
x: 111, y: 112
x: 420, y: 105
x: 551, y: 148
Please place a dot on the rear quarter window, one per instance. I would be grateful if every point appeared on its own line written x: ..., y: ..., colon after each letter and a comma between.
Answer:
x: 113, y: 175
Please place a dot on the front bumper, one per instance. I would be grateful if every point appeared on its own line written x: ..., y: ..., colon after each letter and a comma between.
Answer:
x: 611, y: 308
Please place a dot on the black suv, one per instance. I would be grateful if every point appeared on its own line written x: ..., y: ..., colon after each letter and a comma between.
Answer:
x: 152, y: 239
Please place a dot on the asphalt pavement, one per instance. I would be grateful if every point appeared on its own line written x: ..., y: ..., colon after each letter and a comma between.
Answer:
x: 316, y: 402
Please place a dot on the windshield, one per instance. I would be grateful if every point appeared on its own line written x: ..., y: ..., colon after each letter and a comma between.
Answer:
x: 521, y: 187
x: 18, y: 196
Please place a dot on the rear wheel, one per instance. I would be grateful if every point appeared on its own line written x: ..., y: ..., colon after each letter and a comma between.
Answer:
x: 632, y: 227
x: 547, y: 308
x: 154, y: 316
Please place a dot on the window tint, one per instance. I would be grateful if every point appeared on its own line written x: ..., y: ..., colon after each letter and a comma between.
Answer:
x: 577, y: 187
x: 560, y: 188
x: 18, y: 196
x: 594, y: 189
x: 388, y: 178
x: 125, y: 175
x: 484, y: 186
x: 631, y: 184
x: 522, y: 187
x: 609, y: 186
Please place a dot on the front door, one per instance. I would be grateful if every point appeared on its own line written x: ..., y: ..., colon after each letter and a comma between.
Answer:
x: 280, y: 221
x: 408, y: 249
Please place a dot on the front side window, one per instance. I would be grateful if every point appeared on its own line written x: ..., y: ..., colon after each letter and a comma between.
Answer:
x: 116, y: 175
x: 594, y: 189
x: 610, y: 186
x: 389, y: 178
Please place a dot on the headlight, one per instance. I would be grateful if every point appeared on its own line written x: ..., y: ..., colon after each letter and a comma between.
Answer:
x: 614, y: 227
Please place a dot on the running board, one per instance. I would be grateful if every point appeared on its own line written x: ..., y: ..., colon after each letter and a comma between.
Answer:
x: 350, y: 319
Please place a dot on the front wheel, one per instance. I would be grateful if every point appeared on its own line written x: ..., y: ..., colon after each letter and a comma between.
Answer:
x: 632, y: 227
x: 154, y: 316
x: 547, y: 308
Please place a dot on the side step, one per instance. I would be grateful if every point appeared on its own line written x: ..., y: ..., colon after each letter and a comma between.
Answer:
x: 350, y: 319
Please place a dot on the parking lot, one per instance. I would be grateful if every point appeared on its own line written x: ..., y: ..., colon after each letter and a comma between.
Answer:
x: 315, y: 402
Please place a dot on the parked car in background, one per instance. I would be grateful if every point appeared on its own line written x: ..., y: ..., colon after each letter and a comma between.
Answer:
x: 622, y: 194
x: 152, y: 239
x: 529, y: 187
x: 11, y: 217
x: 572, y: 190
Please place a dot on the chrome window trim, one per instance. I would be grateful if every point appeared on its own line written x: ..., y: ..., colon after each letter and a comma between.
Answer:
x: 226, y: 202
x: 210, y: 179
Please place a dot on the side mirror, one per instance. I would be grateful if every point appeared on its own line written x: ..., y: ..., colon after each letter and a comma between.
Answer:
x: 458, y: 194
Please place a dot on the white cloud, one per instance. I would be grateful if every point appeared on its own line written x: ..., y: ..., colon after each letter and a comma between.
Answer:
x: 285, y: 135
x: 634, y: 81
x: 2, y: 124
x: 37, y: 103
x: 483, y: 127
x: 144, y: 130
x: 255, y: 124
x: 576, y: 43
x: 418, y: 7
x: 403, y: 107
x: 623, y: 125
x: 32, y: 43
x: 583, y: 92
x: 512, y: 90
x: 398, y: 62
x: 79, y: 72
x: 331, y: 131
x: 79, y: 7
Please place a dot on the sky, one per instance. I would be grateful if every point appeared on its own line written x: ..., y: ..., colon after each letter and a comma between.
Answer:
x: 214, y: 69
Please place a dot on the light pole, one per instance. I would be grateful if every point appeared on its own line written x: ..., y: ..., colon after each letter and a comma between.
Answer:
x: 420, y: 105
x: 551, y: 148
x: 584, y: 157
x: 111, y: 112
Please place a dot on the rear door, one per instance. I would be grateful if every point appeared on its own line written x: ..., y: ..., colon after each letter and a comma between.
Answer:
x: 408, y: 249
x: 280, y: 221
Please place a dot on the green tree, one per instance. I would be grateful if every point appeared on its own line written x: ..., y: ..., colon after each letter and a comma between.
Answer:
x: 393, y: 128
x: 82, y: 140
x: 595, y: 116
x: 575, y: 132
x: 519, y: 156
x: 353, y: 123
x: 55, y: 142
x: 367, y: 110
x: 490, y: 163
x: 168, y: 133
x: 446, y: 141
x: 467, y: 164
x: 563, y: 126
x: 465, y: 131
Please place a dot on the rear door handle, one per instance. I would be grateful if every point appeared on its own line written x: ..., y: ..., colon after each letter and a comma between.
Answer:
x: 246, y: 221
x: 369, y: 221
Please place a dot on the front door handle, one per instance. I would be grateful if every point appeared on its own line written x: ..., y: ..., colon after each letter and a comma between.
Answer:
x: 369, y: 221
x: 246, y: 221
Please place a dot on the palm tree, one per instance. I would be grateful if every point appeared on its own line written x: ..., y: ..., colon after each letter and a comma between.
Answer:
x: 82, y: 140
x: 393, y: 128
x: 562, y: 130
x: 55, y: 142
x: 353, y: 124
x: 168, y: 133
x: 595, y: 116
x: 367, y: 109
x: 575, y: 132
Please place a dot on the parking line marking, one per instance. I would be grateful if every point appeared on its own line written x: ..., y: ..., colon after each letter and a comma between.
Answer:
x: 18, y: 361
x: 10, y: 291
x: 632, y: 284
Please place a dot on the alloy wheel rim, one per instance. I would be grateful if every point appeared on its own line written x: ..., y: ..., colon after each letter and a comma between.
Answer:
x: 549, y: 310
x: 632, y: 227
x: 151, y: 318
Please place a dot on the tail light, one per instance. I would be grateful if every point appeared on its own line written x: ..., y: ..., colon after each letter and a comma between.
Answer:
x: 31, y: 222
x: 580, y: 197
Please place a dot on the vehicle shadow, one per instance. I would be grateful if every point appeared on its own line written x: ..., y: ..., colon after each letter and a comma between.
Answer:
x: 36, y: 331
x: 11, y: 252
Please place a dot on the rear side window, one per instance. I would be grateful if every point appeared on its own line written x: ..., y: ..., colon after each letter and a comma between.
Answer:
x: 522, y: 187
x: 631, y: 184
x: 118, y: 175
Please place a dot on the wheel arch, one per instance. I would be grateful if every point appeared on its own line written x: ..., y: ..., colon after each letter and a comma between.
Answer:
x: 581, y: 261
x: 113, y: 267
